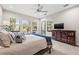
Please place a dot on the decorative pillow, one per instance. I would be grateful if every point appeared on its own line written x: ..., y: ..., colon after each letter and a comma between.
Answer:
x: 12, y: 35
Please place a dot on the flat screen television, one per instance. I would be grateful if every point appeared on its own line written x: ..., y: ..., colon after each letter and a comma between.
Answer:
x: 59, y: 26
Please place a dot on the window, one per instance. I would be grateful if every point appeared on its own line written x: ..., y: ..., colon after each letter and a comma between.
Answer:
x: 12, y: 24
x: 25, y: 26
x: 21, y: 25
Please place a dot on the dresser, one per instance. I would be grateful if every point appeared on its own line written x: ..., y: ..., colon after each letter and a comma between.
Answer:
x: 65, y: 36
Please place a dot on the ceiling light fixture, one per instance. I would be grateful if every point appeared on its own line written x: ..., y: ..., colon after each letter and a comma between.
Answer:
x: 40, y: 11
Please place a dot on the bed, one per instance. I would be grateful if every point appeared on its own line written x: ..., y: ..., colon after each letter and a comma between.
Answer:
x: 31, y: 45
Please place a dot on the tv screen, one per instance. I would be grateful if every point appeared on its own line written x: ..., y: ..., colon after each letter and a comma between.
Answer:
x: 59, y: 26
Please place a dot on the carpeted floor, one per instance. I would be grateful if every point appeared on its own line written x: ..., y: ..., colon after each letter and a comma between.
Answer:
x: 55, y: 52
x: 65, y: 48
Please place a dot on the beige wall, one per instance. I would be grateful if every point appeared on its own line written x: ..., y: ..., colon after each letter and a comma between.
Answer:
x: 70, y: 18
x: 0, y: 15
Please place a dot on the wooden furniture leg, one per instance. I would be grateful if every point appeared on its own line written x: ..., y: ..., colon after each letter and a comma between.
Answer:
x: 49, y: 47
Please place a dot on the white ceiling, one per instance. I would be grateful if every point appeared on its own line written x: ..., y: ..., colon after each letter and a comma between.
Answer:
x: 30, y: 9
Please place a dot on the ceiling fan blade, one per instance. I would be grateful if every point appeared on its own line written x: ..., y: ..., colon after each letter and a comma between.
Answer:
x: 44, y: 11
x: 40, y: 7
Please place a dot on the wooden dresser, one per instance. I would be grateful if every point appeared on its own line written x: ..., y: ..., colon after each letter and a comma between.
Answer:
x: 65, y: 36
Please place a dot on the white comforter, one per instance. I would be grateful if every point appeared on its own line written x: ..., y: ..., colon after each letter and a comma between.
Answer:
x: 31, y: 45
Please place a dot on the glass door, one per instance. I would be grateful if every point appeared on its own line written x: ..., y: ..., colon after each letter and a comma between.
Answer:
x: 43, y: 28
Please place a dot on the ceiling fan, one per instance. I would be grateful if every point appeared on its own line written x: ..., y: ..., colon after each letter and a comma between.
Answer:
x: 39, y: 9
